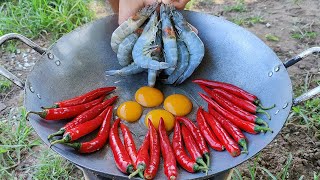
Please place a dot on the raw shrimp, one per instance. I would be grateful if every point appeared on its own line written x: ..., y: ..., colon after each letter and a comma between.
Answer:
x: 169, y: 39
x: 156, y: 55
x: 182, y: 64
x: 130, y: 25
x: 141, y: 52
x: 128, y: 70
x: 124, y: 54
x: 193, y: 42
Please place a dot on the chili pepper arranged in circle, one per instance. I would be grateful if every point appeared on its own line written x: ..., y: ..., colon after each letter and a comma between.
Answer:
x: 129, y: 142
x: 233, y: 130
x: 85, y: 116
x: 170, y: 164
x: 83, y: 129
x: 121, y: 157
x: 207, y: 133
x: 234, y: 109
x: 152, y: 169
x: 142, y: 158
x: 87, y: 97
x: 222, y: 135
x: 66, y: 112
x: 204, y: 150
x: 241, y: 103
x: 99, y: 141
x: 191, y: 146
x: 183, y: 159
x: 231, y: 89
x: 243, y: 125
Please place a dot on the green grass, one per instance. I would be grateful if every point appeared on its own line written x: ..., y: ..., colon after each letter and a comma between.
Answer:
x: 53, y: 166
x: 304, y: 35
x: 33, y: 18
x: 249, y: 21
x: 271, y: 37
x: 190, y: 4
x: 238, y: 7
x: 255, y: 169
x: 5, y: 85
x: 308, y: 113
x: 15, y: 140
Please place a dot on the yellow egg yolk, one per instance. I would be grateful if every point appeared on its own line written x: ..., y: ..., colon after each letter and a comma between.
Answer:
x: 178, y: 104
x: 149, y: 97
x: 155, y: 116
x: 129, y: 111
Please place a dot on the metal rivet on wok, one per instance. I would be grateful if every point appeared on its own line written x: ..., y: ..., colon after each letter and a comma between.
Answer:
x: 31, y: 89
x: 38, y: 95
x: 58, y: 62
x: 277, y: 112
x: 285, y: 105
x: 50, y: 55
x: 277, y: 68
x: 270, y: 73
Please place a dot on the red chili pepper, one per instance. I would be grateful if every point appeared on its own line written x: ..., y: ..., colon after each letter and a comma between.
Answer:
x: 143, y: 158
x: 66, y: 112
x: 233, y: 108
x: 99, y: 141
x: 222, y: 135
x: 129, y: 142
x: 120, y: 154
x: 207, y: 133
x: 191, y: 146
x: 243, y: 125
x: 201, y: 143
x: 169, y: 160
x: 230, y: 88
x: 183, y: 159
x: 87, y: 97
x: 84, y: 128
x: 85, y: 116
x: 233, y: 130
x: 152, y: 169
x: 241, y: 103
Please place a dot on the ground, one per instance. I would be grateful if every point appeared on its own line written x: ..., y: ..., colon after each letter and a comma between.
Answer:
x: 287, y: 26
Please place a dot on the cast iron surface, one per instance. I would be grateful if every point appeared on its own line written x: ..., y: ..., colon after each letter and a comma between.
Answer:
x: 78, y: 62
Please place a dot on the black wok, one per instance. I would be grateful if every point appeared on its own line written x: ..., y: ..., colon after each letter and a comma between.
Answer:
x: 77, y: 62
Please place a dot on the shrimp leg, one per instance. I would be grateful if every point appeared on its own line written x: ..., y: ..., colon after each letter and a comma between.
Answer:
x: 183, y: 61
x: 193, y: 42
x: 130, y: 25
x: 169, y: 39
x: 144, y: 42
x: 126, y: 71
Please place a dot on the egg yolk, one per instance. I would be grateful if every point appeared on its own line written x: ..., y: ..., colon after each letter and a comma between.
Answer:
x: 149, y: 97
x: 178, y: 104
x: 129, y: 111
x: 155, y: 116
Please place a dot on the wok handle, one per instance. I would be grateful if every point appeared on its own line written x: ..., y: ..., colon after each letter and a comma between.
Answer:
x: 28, y: 42
x: 294, y: 60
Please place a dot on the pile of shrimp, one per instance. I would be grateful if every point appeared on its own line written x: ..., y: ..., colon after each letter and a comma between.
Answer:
x: 162, y: 44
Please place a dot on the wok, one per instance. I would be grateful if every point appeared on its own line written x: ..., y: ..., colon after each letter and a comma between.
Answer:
x: 77, y: 62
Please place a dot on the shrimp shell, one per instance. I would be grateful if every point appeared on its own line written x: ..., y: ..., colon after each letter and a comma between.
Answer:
x: 156, y: 54
x: 124, y: 54
x: 130, y: 25
x: 193, y: 42
x: 169, y: 39
x: 183, y: 61
x: 139, y: 54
